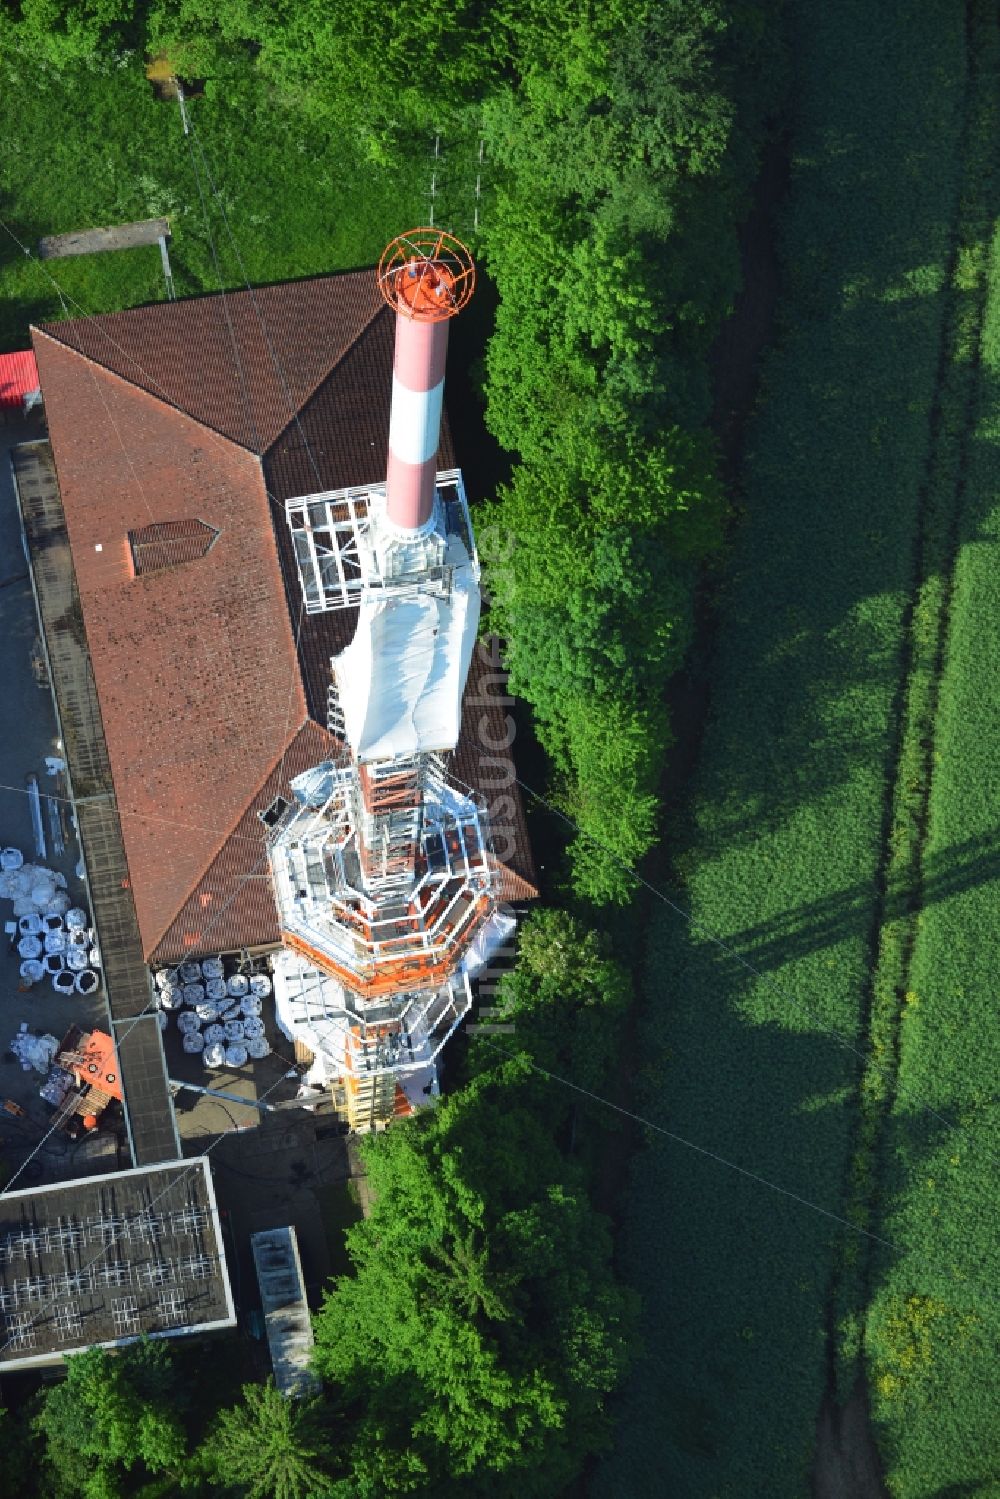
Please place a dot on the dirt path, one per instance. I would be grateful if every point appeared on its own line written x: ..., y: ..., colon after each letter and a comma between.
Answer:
x: 847, y: 1464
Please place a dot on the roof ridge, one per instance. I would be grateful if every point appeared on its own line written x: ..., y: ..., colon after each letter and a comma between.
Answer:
x: 105, y: 369
x: 246, y: 293
x: 345, y: 353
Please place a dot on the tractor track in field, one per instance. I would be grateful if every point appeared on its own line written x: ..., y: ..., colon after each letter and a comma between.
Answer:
x: 847, y: 1462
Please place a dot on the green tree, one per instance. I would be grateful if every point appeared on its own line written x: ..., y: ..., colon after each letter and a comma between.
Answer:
x: 612, y: 139
x: 112, y: 1413
x: 566, y: 995
x: 482, y: 1329
x: 371, y: 71
x: 268, y: 1447
x: 18, y: 1467
x: 64, y: 32
x: 594, y: 605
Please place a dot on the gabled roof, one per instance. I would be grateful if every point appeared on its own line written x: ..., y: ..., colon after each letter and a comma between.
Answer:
x: 243, y: 362
x: 231, y: 904
x: 207, y: 668
x: 195, y: 665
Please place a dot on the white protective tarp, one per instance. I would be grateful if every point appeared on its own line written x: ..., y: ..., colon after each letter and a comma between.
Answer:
x: 490, y: 938
x: 402, y: 677
x: 309, y: 1007
x: 314, y: 787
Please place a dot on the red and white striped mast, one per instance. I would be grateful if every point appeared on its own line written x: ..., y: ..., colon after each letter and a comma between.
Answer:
x: 384, y: 874
x: 427, y: 276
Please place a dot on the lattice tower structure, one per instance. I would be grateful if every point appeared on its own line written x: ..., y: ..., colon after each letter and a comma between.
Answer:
x: 382, y: 868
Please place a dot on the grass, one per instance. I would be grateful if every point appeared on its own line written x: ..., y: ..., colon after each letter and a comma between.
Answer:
x: 85, y: 148
x: 933, y: 1328
x: 945, y: 491
x: 784, y: 854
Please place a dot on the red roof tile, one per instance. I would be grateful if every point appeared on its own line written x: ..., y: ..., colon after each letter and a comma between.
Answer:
x: 232, y: 905
x: 483, y: 762
x: 242, y: 363
x: 195, y: 667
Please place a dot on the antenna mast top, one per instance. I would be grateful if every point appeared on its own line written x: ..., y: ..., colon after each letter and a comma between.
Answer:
x: 427, y: 275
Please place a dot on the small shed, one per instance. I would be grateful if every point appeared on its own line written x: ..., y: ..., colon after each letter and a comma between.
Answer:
x: 286, y: 1312
x: 19, y: 389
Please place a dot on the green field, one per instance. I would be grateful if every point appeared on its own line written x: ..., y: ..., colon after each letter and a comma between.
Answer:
x: 299, y: 204
x: 933, y: 1329
x: 787, y: 844
x: 912, y: 877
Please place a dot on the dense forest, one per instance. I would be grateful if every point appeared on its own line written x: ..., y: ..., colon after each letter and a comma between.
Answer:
x: 833, y: 589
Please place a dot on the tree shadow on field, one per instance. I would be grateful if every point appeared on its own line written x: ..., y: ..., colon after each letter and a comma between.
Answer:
x: 17, y: 313
x: 980, y: 516
x: 964, y: 865
x: 825, y: 922
x: 808, y: 680
x: 734, y: 1274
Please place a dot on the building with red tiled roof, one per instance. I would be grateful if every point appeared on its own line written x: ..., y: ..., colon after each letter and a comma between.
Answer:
x: 18, y: 380
x: 178, y: 431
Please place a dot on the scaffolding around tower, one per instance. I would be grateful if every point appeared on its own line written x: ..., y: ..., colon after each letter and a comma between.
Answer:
x: 381, y: 915
x: 385, y: 879
x: 345, y: 547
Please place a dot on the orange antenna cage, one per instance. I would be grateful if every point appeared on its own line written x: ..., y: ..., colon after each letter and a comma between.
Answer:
x: 426, y: 275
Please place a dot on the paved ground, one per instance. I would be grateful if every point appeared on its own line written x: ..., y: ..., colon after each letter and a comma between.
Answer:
x: 198, y: 1116
x: 28, y: 734
x: 294, y: 1167
x: 28, y: 727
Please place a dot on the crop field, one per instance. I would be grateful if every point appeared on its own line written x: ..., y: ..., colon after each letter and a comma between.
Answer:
x: 785, y: 854
x: 85, y: 148
x: 933, y: 1328
x: 908, y: 882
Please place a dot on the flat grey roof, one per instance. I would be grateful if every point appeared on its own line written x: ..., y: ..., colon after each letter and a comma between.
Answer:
x: 149, y: 1111
x: 286, y: 1312
x: 105, y: 1260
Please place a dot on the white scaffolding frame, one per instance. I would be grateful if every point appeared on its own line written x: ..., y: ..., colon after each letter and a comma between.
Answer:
x: 171, y: 1307
x: 125, y: 1315
x: 423, y: 1021
x: 359, y: 928
x: 68, y: 1320
x: 338, y: 553
x: 21, y: 1331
